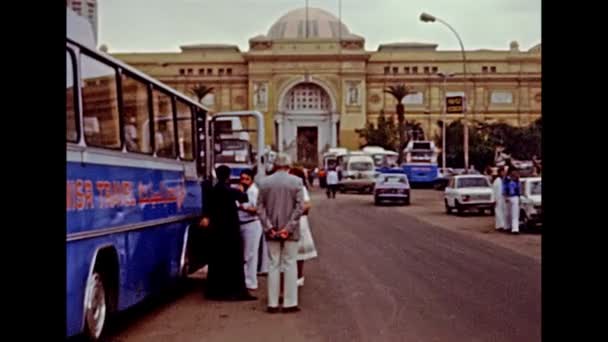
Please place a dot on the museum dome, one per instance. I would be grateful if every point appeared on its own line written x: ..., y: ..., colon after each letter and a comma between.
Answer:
x: 321, y: 24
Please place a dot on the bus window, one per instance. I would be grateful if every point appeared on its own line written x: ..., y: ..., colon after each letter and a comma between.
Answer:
x: 164, y: 137
x: 71, y: 129
x: 184, y: 130
x: 99, y: 103
x: 136, y: 115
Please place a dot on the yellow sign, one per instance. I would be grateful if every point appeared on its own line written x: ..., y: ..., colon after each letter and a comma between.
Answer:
x: 454, y: 104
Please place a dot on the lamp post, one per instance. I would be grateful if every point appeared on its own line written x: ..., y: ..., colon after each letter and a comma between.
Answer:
x: 444, y: 77
x: 428, y: 18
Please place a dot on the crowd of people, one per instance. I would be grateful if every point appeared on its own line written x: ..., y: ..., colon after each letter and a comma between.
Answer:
x: 258, y: 228
x: 506, y: 193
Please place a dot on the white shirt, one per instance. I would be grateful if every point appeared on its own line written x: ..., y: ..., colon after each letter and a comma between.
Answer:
x: 332, y: 177
x: 252, y: 195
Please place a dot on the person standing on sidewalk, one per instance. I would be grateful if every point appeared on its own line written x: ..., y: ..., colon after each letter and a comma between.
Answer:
x: 499, y: 208
x: 511, y: 192
x: 280, y: 205
x: 332, y: 183
x: 251, y: 229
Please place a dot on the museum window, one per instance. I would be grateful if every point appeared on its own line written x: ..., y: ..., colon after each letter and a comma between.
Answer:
x: 415, y: 70
x: 484, y: 69
x: 435, y: 70
x: 426, y: 70
x: 406, y: 70
x: 229, y: 71
x: 395, y: 70
x: 182, y: 71
x: 201, y: 71
x: 493, y: 69
x: 221, y: 72
x: 190, y: 71
x: 209, y: 71
x: 386, y: 70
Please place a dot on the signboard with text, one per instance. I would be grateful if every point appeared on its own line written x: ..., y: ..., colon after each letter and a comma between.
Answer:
x: 454, y: 104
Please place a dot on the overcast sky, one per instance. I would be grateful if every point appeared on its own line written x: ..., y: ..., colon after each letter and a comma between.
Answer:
x: 164, y: 25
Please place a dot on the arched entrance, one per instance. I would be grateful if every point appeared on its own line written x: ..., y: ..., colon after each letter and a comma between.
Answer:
x: 306, y: 122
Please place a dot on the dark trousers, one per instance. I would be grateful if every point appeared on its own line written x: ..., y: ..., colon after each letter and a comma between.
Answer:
x: 331, y: 190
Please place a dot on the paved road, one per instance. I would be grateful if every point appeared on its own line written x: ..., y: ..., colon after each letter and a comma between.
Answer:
x: 382, y: 275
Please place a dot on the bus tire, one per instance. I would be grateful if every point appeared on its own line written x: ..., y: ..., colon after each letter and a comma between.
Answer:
x: 96, y: 307
x: 101, y: 294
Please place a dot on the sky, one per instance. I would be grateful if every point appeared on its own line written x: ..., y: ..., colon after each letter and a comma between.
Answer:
x: 164, y: 25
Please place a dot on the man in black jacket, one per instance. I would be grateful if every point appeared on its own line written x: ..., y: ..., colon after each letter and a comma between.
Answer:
x: 225, y: 277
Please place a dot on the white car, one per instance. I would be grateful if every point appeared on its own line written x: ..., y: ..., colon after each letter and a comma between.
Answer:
x: 530, y: 202
x: 392, y: 187
x: 466, y: 192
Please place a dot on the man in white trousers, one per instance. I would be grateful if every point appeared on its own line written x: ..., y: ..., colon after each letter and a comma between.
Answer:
x: 251, y: 229
x: 499, y: 209
x: 280, y: 205
x: 511, y: 192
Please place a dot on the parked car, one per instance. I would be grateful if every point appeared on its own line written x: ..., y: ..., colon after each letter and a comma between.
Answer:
x: 392, y: 187
x: 530, y: 203
x: 469, y: 192
x: 443, y: 178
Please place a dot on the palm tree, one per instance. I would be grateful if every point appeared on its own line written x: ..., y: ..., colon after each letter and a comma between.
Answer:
x: 399, y: 92
x: 200, y: 91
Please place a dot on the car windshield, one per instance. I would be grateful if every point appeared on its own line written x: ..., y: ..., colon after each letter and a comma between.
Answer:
x: 392, y: 179
x: 361, y: 166
x: 234, y: 145
x: 535, y: 188
x: 472, y: 182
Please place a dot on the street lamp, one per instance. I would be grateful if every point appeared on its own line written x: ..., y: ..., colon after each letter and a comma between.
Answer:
x: 428, y: 18
x: 444, y: 77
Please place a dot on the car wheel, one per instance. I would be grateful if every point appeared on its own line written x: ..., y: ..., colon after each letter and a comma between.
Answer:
x: 376, y: 200
x: 459, y: 208
x: 406, y: 201
x: 492, y: 212
x: 524, y: 223
x: 448, y: 210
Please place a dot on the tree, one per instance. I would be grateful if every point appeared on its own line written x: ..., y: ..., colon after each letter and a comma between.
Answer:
x: 520, y: 142
x: 399, y: 92
x: 384, y: 134
x: 200, y: 91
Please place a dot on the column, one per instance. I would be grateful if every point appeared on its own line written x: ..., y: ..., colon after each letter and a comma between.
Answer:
x: 279, y: 120
x: 334, y: 131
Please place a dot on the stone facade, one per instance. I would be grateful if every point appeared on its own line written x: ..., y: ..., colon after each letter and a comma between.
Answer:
x: 320, y: 77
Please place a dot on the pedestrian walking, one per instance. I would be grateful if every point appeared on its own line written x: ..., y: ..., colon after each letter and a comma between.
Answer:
x: 511, y: 192
x: 226, y: 276
x: 306, y: 248
x: 332, y: 183
x: 280, y: 205
x: 499, y: 208
x: 251, y: 229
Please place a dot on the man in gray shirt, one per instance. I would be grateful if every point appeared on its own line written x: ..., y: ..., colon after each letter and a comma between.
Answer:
x: 280, y: 205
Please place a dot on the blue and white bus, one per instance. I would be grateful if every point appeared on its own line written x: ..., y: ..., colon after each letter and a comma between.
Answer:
x: 421, y: 162
x: 133, y: 189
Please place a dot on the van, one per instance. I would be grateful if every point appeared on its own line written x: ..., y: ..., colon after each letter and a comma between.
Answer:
x: 358, y: 174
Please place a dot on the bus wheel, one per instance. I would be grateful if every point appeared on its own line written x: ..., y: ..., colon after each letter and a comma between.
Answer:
x: 96, y: 308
